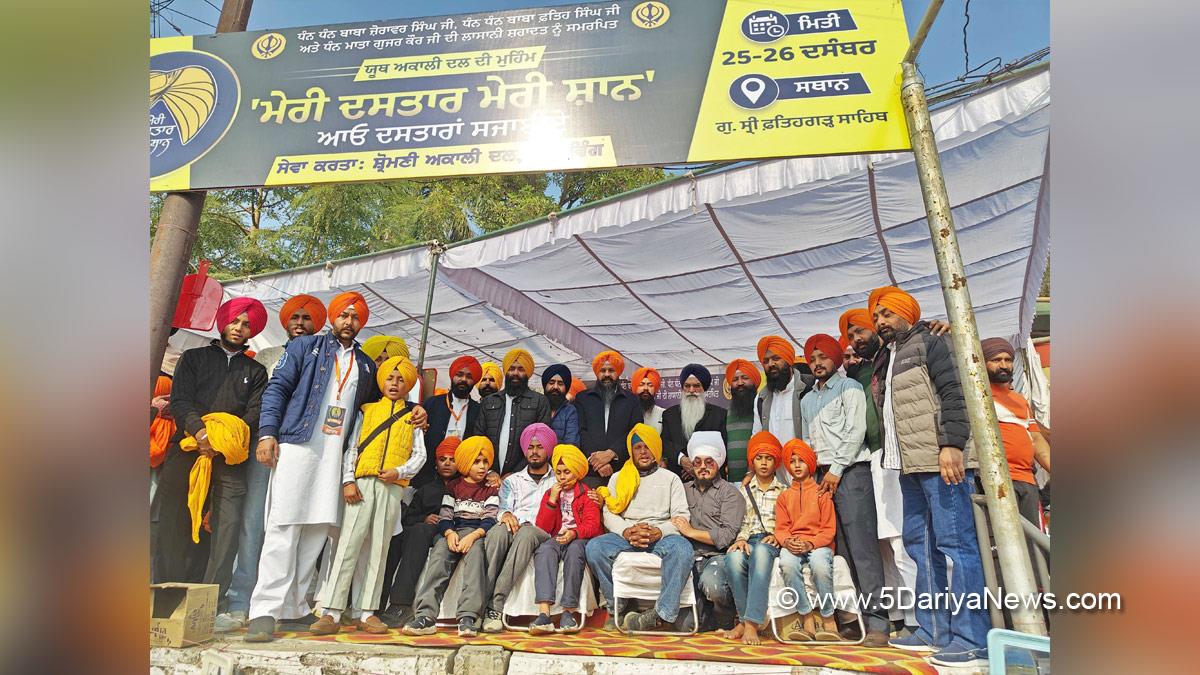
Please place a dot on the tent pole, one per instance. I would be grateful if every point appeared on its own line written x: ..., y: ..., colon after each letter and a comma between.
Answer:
x: 1015, y: 565
x: 436, y: 249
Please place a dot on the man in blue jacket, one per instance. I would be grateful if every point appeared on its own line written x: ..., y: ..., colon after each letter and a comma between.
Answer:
x: 309, y: 406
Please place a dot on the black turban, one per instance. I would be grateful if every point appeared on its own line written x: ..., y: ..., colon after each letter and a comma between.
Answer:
x: 557, y: 369
x: 699, y: 371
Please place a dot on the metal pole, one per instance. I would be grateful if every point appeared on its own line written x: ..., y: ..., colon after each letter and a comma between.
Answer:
x: 1015, y: 565
x: 436, y: 249
x: 176, y: 231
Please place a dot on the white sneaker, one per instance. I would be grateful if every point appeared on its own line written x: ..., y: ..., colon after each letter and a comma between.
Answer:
x: 229, y: 622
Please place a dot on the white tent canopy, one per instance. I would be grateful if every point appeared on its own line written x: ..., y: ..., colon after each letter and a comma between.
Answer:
x: 697, y: 270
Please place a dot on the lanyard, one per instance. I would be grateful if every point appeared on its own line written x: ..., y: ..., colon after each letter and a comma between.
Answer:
x: 337, y: 369
x: 450, y: 406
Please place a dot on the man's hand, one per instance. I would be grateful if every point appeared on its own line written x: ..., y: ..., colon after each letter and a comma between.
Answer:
x: 770, y: 540
x: 950, y: 460
x: 684, y: 526
x: 685, y: 466
x: 605, y: 471
x: 390, y: 476
x: 204, y: 447
x: 636, y: 535
x: 163, y: 405
x: 452, y: 540
x: 746, y: 479
x: 492, y: 479
x: 267, y: 452
x: 595, y: 497
x: 432, y: 519
x: 830, y: 483
x: 420, y: 418
x: 510, y: 521
x: 567, y: 537
x: 740, y: 545
x: 938, y: 328
x: 601, y: 458
x: 653, y: 534
x: 351, y: 493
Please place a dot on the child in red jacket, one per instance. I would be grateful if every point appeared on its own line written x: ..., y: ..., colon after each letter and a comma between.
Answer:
x: 571, y: 519
x: 804, y: 527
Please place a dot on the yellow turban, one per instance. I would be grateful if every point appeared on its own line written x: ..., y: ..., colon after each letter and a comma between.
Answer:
x: 470, y: 449
x: 520, y: 356
x: 378, y: 344
x: 613, y: 358
x: 572, y: 457
x: 628, y: 477
x: 896, y: 300
x: 228, y: 435
x: 407, y: 370
x: 490, y: 368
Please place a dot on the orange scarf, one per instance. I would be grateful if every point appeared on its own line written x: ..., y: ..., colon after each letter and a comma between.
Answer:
x: 161, y: 428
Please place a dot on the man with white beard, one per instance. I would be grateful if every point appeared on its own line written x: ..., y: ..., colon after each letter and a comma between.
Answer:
x: 692, y: 414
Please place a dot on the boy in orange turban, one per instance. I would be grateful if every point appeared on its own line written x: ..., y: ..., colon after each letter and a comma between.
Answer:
x: 804, y: 528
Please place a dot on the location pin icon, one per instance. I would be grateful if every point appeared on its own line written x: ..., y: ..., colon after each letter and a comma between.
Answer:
x: 753, y: 88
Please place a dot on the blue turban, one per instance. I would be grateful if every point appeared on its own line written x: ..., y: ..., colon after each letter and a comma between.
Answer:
x: 557, y: 369
x: 699, y: 371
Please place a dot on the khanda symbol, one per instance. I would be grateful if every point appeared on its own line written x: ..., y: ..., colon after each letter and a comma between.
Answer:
x: 650, y: 14
x: 190, y: 94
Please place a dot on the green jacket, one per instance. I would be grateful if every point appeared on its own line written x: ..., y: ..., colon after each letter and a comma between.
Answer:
x: 874, y: 424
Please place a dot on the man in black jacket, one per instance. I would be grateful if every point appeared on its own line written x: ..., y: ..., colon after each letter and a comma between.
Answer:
x: 607, y: 413
x: 505, y: 414
x: 216, y: 378
x: 453, y: 413
x: 692, y: 414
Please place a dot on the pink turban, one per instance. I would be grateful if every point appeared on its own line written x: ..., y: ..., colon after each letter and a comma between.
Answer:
x: 543, y: 433
x: 236, y: 307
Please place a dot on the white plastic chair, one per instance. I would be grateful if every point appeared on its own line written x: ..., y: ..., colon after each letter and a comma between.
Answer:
x: 638, y: 575
x: 522, y: 601
x: 843, y: 589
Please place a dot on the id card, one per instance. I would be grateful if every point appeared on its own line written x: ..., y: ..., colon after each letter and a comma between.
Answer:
x: 335, y: 417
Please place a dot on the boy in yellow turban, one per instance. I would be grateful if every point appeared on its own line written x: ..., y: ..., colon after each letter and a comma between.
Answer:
x: 469, y: 510
x: 388, y: 453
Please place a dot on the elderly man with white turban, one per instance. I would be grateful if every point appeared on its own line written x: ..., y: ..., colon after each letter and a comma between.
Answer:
x: 716, y: 511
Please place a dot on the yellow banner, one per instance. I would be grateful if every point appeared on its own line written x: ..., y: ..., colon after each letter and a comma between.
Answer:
x: 457, y: 63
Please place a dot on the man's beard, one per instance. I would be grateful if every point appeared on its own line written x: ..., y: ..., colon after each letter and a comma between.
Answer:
x: 607, y: 389
x: 704, y: 483
x: 556, y: 399
x: 516, y: 386
x: 462, y: 390
x: 853, y: 368
x: 691, y: 409
x: 870, y: 349
x: 487, y: 390
x: 742, y: 400
x: 780, y: 380
x: 647, y: 400
x: 1000, y: 376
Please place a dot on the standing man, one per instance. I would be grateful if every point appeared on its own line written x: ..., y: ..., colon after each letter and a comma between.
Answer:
x: 320, y: 381
x: 645, y: 384
x: 300, y: 315
x: 717, y: 508
x: 503, y: 416
x: 453, y: 414
x: 692, y: 414
x: 218, y: 378
x: 607, y: 413
x: 1020, y: 433
x: 564, y: 418
x: 916, y: 388
x: 778, y: 404
x: 743, y: 379
x: 835, y: 427
x: 490, y: 380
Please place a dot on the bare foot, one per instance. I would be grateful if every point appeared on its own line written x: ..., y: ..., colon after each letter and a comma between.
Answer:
x: 750, y: 637
x: 735, y: 633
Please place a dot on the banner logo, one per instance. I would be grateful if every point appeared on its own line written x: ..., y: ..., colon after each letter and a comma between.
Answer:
x: 765, y: 26
x: 650, y: 15
x: 193, y: 100
x: 268, y: 46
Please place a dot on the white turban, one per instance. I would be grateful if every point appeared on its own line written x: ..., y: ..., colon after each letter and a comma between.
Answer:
x: 707, y: 444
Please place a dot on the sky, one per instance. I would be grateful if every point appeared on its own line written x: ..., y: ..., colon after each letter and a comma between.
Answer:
x: 1008, y: 29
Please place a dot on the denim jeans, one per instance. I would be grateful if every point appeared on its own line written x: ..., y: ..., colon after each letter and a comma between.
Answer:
x: 250, y: 541
x: 750, y: 578
x: 676, y: 554
x: 713, y: 593
x: 820, y: 562
x: 938, y: 523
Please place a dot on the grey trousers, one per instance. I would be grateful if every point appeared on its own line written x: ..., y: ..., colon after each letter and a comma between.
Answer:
x: 508, y: 556
x: 545, y: 571
x: 1029, y: 501
x: 438, y: 569
x: 370, y: 521
x: 858, y: 537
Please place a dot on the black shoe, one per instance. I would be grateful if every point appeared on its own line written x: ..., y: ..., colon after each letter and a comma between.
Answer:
x: 850, y: 632
x: 422, y: 625
x: 647, y: 621
x: 261, y: 629
x: 466, y: 627
x: 300, y: 624
x: 396, y: 616
x: 686, y: 623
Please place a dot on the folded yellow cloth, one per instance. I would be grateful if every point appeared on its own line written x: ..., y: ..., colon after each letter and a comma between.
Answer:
x: 228, y: 435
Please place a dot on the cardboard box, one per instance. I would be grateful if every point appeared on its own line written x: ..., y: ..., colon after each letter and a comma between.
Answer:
x: 182, y: 614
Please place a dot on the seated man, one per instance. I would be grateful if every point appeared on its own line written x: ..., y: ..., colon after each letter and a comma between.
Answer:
x: 639, y: 504
x: 717, y: 509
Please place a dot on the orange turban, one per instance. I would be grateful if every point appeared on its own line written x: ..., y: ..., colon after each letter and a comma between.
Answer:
x: 828, y: 346
x: 641, y: 374
x: 610, y: 356
x: 897, y: 301
x: 447, y: 447
x: 744, y: 366
x: 341, y: 302
x: 468, y: 362
x: 161, y: 428
x: 316, y: 309
x: 803, y: 450
x: 764, y: 442
x: 520, y: 356
x: 577, y: 386
x: 855, y: 317
x: 778, y: 346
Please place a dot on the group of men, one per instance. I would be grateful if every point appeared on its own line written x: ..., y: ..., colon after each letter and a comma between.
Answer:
x: 882, y: 407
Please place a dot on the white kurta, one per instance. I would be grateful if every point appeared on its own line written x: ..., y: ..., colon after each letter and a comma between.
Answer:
x: 306, y: 484
x: 889, y: 503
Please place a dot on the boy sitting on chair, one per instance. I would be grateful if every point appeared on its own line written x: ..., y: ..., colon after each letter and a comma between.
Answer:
x: 804, y: 528
x: 389, y: 452
x: 751, y: 559
x: 571, y: 519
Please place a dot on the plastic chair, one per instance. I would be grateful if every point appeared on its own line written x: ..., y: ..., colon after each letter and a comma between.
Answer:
x: 638, y: 575
x: 843, y: 589
x: 522, y: 601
